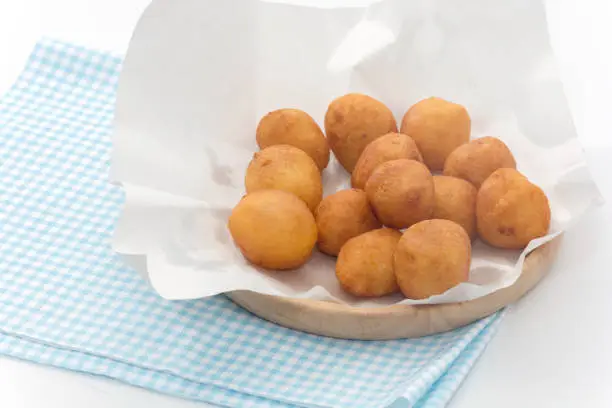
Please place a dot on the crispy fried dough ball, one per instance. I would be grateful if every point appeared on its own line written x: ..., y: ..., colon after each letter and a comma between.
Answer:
x: 352, y: 121
x: 431, y: 257
x: 342, y: 216
x: 475, y: 161
x: 391, y: 146
x: 438, y: 127
x: 287, y: 168
x: 510, y: 210
x: 365, y: 263
x: 295, y: 128
x: 401, y: 193
x: 456, y: 201
x: 273, y: 229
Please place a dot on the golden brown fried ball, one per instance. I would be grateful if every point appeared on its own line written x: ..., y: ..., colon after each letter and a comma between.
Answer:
x: 438, y: 127
x: 352, y: 121
x: 287, y: 168
x: 391, y: 146
x: 432, y: 257
x: 456, y: 201
x: 510, y: 210
x: 342, y: 216
x: 295, y: 128
x: 401, y: 193
x: 475, y: 161
x: 273, y: 229
x: 365, y: 263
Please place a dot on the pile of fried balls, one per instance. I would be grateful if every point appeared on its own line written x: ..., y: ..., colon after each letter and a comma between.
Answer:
x: 419, y: 196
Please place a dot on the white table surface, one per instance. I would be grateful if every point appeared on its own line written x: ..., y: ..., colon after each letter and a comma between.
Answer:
x: 553, y: 349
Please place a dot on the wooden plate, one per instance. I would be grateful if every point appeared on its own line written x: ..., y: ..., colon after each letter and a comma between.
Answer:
x: 393, y: 322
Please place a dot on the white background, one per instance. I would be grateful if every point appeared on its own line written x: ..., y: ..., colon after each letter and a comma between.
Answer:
x: 554, y: 347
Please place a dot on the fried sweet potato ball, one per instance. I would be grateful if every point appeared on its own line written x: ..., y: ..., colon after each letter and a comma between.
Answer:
x: 391, y: 146
x: 438, y: 127
x: 510, y: 210
x: 456, y: 201
x: 432, y: 257
x: 352, y: 121
x: 287, y: 168
x: 273, y: 229
x: 342, y: 216
x: 295, y: 128
x: 365, y: 263
x: 475, y: 161
x: 401, y: 193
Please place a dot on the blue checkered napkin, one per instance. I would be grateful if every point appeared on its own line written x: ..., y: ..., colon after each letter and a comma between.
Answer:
x: 67, y: 300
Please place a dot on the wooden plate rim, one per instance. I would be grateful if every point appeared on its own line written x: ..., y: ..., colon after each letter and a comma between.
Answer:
x: 310, y: 315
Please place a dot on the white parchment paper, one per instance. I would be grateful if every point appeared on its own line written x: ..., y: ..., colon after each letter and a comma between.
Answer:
x: 200, y: 73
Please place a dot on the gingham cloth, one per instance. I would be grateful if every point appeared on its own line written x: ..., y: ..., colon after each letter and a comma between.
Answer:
x: 68, y: 301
